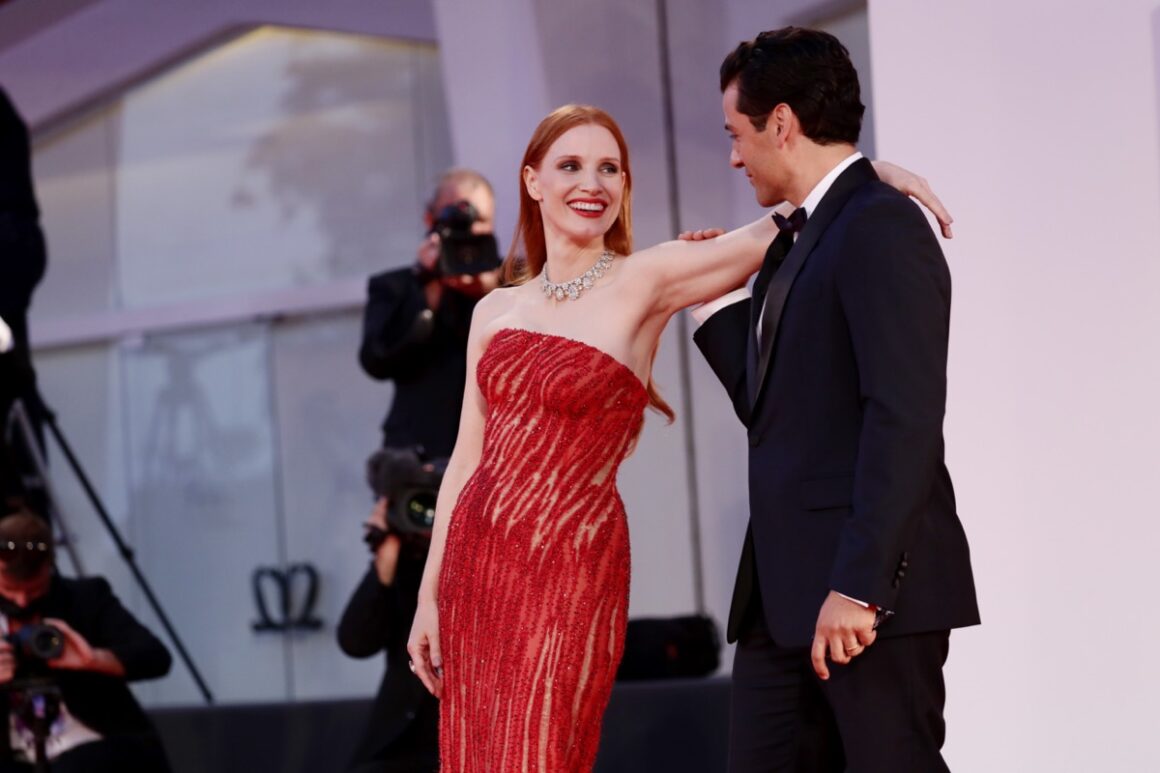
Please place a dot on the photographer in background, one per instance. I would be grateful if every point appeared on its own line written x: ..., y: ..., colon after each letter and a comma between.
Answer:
x: 69, y: 650
x: 22, y: 263
x: 417, y: 319
x: 402, y: 734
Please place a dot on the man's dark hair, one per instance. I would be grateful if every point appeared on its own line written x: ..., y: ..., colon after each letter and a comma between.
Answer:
x: 25, y: 544
x: 808, y: 70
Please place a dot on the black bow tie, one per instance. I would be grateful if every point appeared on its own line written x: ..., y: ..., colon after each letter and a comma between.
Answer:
x: 794, y: 223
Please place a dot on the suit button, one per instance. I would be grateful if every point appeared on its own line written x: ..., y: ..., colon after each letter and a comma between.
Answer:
x: 895, y: 582
x: 904, y: 564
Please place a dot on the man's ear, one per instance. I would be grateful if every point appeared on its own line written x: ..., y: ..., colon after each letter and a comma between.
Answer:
x: 780, y: 120
x: 532, y: 183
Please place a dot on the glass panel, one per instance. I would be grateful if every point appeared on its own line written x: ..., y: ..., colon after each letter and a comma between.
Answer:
x: 328, y: 418
x: 74, y: 185
x: 283, y: 158
x: 202, y: 462
x: 82, y: 386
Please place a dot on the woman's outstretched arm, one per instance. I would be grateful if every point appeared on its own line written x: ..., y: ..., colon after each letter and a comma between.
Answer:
x: 687, y: 277
x: 683, y: 272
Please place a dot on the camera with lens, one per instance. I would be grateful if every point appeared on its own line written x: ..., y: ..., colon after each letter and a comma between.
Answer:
x: 410, y: 482
x: 34, y: 644
x: 463, y: 252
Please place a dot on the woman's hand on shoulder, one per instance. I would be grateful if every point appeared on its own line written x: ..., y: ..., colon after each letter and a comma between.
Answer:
x: 911, y: 184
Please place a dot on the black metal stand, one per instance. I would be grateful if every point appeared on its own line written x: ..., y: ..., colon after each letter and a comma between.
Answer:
x: 22, y: 421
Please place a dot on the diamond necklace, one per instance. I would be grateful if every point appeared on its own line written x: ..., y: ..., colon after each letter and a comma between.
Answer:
x: 572, y: 289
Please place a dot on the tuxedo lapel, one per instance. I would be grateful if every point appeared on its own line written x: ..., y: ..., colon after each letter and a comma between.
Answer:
x: 760, y: 287
x: 858, y: 174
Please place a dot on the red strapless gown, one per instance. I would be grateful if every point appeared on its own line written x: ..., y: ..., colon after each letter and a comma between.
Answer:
x: 533, y: 595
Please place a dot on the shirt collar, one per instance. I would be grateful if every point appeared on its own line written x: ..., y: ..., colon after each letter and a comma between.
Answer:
x: 815, y: 196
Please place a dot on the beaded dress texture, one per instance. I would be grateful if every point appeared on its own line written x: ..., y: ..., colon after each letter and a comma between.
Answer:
x: 533, y: 593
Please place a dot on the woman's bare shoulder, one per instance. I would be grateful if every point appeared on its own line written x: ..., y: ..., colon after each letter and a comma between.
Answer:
x: 497, y: 302
x: 497, y: 308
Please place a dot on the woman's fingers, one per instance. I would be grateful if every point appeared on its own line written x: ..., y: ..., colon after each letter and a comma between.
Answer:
x: 700, y: 235
x: 421, y: 665
x: 427, y: 660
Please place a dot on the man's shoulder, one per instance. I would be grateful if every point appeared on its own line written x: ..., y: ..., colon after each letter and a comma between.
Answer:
x: 882, y: 199
x: 879, y: 208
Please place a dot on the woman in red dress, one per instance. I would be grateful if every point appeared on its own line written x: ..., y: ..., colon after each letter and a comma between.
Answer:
x: 524, y: 600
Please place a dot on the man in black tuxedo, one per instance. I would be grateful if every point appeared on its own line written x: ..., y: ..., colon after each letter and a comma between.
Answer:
x: 101, y: 727
x: 855, y: 566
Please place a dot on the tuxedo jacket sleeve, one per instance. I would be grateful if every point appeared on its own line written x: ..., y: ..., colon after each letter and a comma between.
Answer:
x: 894, y: 289
x: 723, y: 340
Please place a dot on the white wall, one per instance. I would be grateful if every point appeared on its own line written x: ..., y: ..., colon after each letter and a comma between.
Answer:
x: 1036, y: 122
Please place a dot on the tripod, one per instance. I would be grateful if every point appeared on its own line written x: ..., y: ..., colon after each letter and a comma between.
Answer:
x: 18, y: 421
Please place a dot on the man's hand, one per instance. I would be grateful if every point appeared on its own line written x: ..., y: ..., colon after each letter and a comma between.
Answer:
x: 845, y: 628
x: 428, y: 255
x: 79, y: 655
x: 387, y: 554
x: 7, y: 662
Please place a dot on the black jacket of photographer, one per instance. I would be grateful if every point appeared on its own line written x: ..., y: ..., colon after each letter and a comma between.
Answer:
x: 404, y: 724
x: 424, y: 352
x: 101, y: 701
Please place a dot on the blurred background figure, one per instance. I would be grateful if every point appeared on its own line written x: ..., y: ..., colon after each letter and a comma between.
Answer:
x: 22, y: 263
x: 68, y: 652
x: 402, y: 732
x: 416, y: 320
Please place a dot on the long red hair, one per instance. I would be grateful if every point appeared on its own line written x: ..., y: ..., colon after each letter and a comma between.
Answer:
x: 528, y: 252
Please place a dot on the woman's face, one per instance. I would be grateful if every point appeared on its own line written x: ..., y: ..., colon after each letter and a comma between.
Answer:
x: 579, y: 184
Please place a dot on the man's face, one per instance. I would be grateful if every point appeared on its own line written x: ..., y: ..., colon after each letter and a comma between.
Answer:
x: 474, y: 194
x: 756, y: 152
x: 24, y: 592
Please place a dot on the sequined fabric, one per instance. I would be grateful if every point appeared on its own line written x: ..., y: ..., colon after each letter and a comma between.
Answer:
x: 533, y: 595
